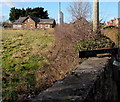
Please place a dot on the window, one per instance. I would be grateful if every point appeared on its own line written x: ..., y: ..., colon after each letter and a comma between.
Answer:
x: 28, y: 20
x: 116, y: 22
x: 31, y: 25
x: 47, y: 26
x: 41, y: 26
x: 38, y: 26
x: 24, y: 25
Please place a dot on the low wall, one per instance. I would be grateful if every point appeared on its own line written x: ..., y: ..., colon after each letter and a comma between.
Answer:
x: 91, y: 82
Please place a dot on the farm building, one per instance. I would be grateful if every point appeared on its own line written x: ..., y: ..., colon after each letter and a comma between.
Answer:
x: 33, y: 22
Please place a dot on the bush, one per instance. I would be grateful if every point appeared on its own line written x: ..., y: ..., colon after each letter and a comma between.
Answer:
x: 96, y: 43
x: 69, y: 39
x: 63, y: 55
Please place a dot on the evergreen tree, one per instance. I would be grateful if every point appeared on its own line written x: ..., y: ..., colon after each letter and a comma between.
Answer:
x: 12, y: 14
x: 28, y: 11
x: 23, y: 12
x: 35, y: 12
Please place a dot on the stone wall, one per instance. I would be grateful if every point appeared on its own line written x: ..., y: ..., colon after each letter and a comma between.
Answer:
x: 92, y: 81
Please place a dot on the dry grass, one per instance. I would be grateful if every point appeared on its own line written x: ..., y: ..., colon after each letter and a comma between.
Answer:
x: 111, y: 33
x: 36, y: 38
x: 63, y: 55
x: 24, y: 53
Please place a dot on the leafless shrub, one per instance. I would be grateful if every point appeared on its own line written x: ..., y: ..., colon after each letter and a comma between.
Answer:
x: 67, y: 36
x: 64, y: 56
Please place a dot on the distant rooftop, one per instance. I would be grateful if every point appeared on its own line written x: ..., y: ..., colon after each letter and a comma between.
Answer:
x: 20, y: 20
x: 36, y: 19
x: 46, y: 21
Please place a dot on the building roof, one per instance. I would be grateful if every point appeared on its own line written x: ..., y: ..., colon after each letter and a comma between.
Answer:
x: 46, y: 21
x: 36, y: 19
x: 20, y: 20
x: 118, y: 18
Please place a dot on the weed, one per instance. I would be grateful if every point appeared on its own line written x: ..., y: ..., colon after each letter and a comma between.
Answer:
x: 96, y: 43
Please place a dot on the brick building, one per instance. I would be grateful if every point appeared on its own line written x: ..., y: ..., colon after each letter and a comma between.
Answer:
x: 33, y: 22
x: 114, y: 22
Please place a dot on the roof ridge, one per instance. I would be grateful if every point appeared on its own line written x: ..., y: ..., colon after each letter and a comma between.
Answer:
x: 35, y: 19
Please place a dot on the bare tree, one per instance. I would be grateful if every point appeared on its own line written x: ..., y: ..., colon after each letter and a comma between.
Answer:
x: 79, y: 9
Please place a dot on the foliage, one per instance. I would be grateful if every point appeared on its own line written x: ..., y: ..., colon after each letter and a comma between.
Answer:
x: 96, y: 43
x: 6, y: 25
x: 35, y: 12
x: 20, y: 61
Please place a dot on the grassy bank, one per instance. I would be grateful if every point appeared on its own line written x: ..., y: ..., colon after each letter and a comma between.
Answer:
x: 23, y: 53
x: 31, y: 63
x: 113, y: 34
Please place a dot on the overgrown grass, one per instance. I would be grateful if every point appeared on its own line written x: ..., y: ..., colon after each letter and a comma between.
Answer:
x: 93, y: 44
x: 113, y: 34
x: 23, y: 53
x: 118, y: 37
